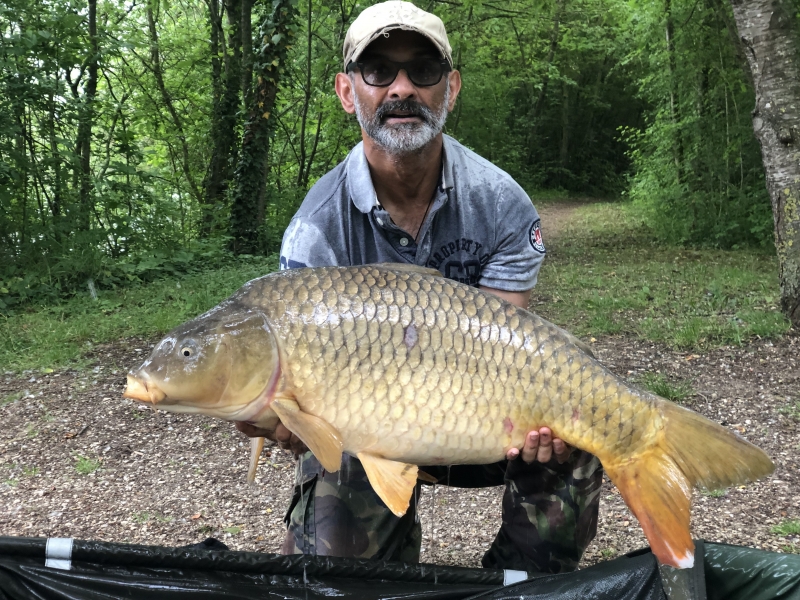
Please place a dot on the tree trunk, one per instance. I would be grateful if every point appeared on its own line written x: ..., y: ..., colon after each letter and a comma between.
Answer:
x: 673, y: 89
x: 247, y: 50
x: 770, y: 31
x: 84, y: 141
x: 224, y: 121
x: 551, y: 55
x: 247, y: 210
x: 563, y: 153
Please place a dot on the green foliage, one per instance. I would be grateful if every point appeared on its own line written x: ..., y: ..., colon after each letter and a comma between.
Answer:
x: 59, y: 334
x: 697, y: 174
x: 787, y: 527
x: 85, y: 465
x: 575, y: 96
x: 611, y: 275
x: 73, y: 274
x: 661, y: 386
x: 791, y: 410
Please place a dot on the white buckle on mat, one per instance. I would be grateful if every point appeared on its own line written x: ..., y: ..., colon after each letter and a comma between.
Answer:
x: 58, y: 553
x: 511, y: 576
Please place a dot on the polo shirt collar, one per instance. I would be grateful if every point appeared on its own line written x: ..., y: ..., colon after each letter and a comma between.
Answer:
x: 359, y: 179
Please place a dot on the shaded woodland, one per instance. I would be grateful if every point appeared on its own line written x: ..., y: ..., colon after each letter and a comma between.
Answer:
x: 141, y: 139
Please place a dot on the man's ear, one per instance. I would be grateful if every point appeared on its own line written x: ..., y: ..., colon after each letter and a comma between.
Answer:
x: 345, y: 91
x: 455, y: 88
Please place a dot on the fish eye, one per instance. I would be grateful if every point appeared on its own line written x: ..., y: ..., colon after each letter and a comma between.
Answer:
x: 188, y: 349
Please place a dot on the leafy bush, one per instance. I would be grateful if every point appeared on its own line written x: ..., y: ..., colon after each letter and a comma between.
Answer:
x: 71, y: 273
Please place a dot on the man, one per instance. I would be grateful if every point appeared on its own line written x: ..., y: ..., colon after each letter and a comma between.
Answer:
x: 409, y: 194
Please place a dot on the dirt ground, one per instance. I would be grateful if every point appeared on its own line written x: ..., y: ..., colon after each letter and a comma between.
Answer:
x: 77, y: 460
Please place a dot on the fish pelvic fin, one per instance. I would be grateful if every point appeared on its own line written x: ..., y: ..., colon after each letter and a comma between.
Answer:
x: 393, y: 481
x: 256, y: 446
x: 657, y: 483
x: 321, y: 437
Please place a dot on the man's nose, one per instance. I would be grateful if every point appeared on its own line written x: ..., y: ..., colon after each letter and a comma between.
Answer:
x: 402, y: 87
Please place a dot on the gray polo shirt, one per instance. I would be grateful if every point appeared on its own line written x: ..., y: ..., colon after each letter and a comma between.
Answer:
x: 481, y: 229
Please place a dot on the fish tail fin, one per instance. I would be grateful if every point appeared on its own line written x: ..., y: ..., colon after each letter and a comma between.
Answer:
x: 256, y: 446
x: 657, y: 483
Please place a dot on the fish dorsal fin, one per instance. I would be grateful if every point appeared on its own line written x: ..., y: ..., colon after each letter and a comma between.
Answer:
x: 579, y: 343
x: 321, y: 437
x: 256, y: 446
x: 393, y: 481
x: 408, y: 268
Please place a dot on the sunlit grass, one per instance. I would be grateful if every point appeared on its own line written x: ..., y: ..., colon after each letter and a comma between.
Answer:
x: 59, y: 335
x: 607, y: 275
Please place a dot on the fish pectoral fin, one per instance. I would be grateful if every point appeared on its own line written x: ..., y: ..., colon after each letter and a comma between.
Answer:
x: 256, y: 446
x: 321, y: 437
x: 393, y: 481
x: 427, y: 477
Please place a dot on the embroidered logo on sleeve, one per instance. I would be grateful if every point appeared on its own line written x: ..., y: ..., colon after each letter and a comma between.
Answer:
x: 536, y: 236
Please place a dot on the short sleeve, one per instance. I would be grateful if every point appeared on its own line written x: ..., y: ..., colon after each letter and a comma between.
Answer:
x: 514, y: 264
x: 304, y: 245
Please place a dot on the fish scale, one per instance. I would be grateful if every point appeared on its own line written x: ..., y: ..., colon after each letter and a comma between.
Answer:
x: 401, y: 367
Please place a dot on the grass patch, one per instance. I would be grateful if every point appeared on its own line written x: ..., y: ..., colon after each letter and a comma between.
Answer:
x: 714, y: 493
x: 660, y: 385
x: 85, y: 465
x: 143, y: 517
x: 11, y: 398
x: 791, y: 410
x: 59, y: 335
x: 607, y: 274
x: 788, y: 527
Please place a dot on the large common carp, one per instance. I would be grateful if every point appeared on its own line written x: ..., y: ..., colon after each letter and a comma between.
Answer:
x: 401, y: 367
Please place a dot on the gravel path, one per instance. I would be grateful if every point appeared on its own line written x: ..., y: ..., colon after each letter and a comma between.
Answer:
x: 76, y: 460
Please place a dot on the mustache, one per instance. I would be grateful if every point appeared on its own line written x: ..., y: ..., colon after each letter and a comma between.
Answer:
x: 411, y: 107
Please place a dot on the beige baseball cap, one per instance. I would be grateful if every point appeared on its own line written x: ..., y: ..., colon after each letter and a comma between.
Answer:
x: 395, y: 14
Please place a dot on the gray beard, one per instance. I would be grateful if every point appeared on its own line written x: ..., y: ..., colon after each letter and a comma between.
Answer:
x: 405, y: 138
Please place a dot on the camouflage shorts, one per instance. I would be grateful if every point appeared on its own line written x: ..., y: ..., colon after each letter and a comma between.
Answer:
x: 338, y: 514
x: 549, y: 513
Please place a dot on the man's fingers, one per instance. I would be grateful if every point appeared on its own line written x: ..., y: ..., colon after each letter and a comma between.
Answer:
x: 541, y: 446
x: 561, y: 450
x: 250, y: 430
x: 531, y: 447
x: 545, y: 452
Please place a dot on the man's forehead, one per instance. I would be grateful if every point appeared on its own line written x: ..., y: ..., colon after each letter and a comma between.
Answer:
x: 399, y: 41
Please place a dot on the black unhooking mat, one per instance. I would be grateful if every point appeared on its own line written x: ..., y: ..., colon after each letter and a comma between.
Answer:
x: 65, y: 569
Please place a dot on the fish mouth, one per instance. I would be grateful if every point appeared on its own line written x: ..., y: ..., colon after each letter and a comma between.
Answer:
x: 141, y: 391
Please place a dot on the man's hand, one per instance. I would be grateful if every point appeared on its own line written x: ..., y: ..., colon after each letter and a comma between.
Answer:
x: 541, y: 446
x: 285, y: 438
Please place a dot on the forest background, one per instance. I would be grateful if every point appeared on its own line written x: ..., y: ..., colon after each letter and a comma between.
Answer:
x: 142, y: 139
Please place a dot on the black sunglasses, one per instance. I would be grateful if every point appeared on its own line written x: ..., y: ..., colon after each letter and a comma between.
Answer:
x: 381, y: 72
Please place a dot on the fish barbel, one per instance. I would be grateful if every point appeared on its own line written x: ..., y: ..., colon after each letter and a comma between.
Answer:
x: 398, y: 366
